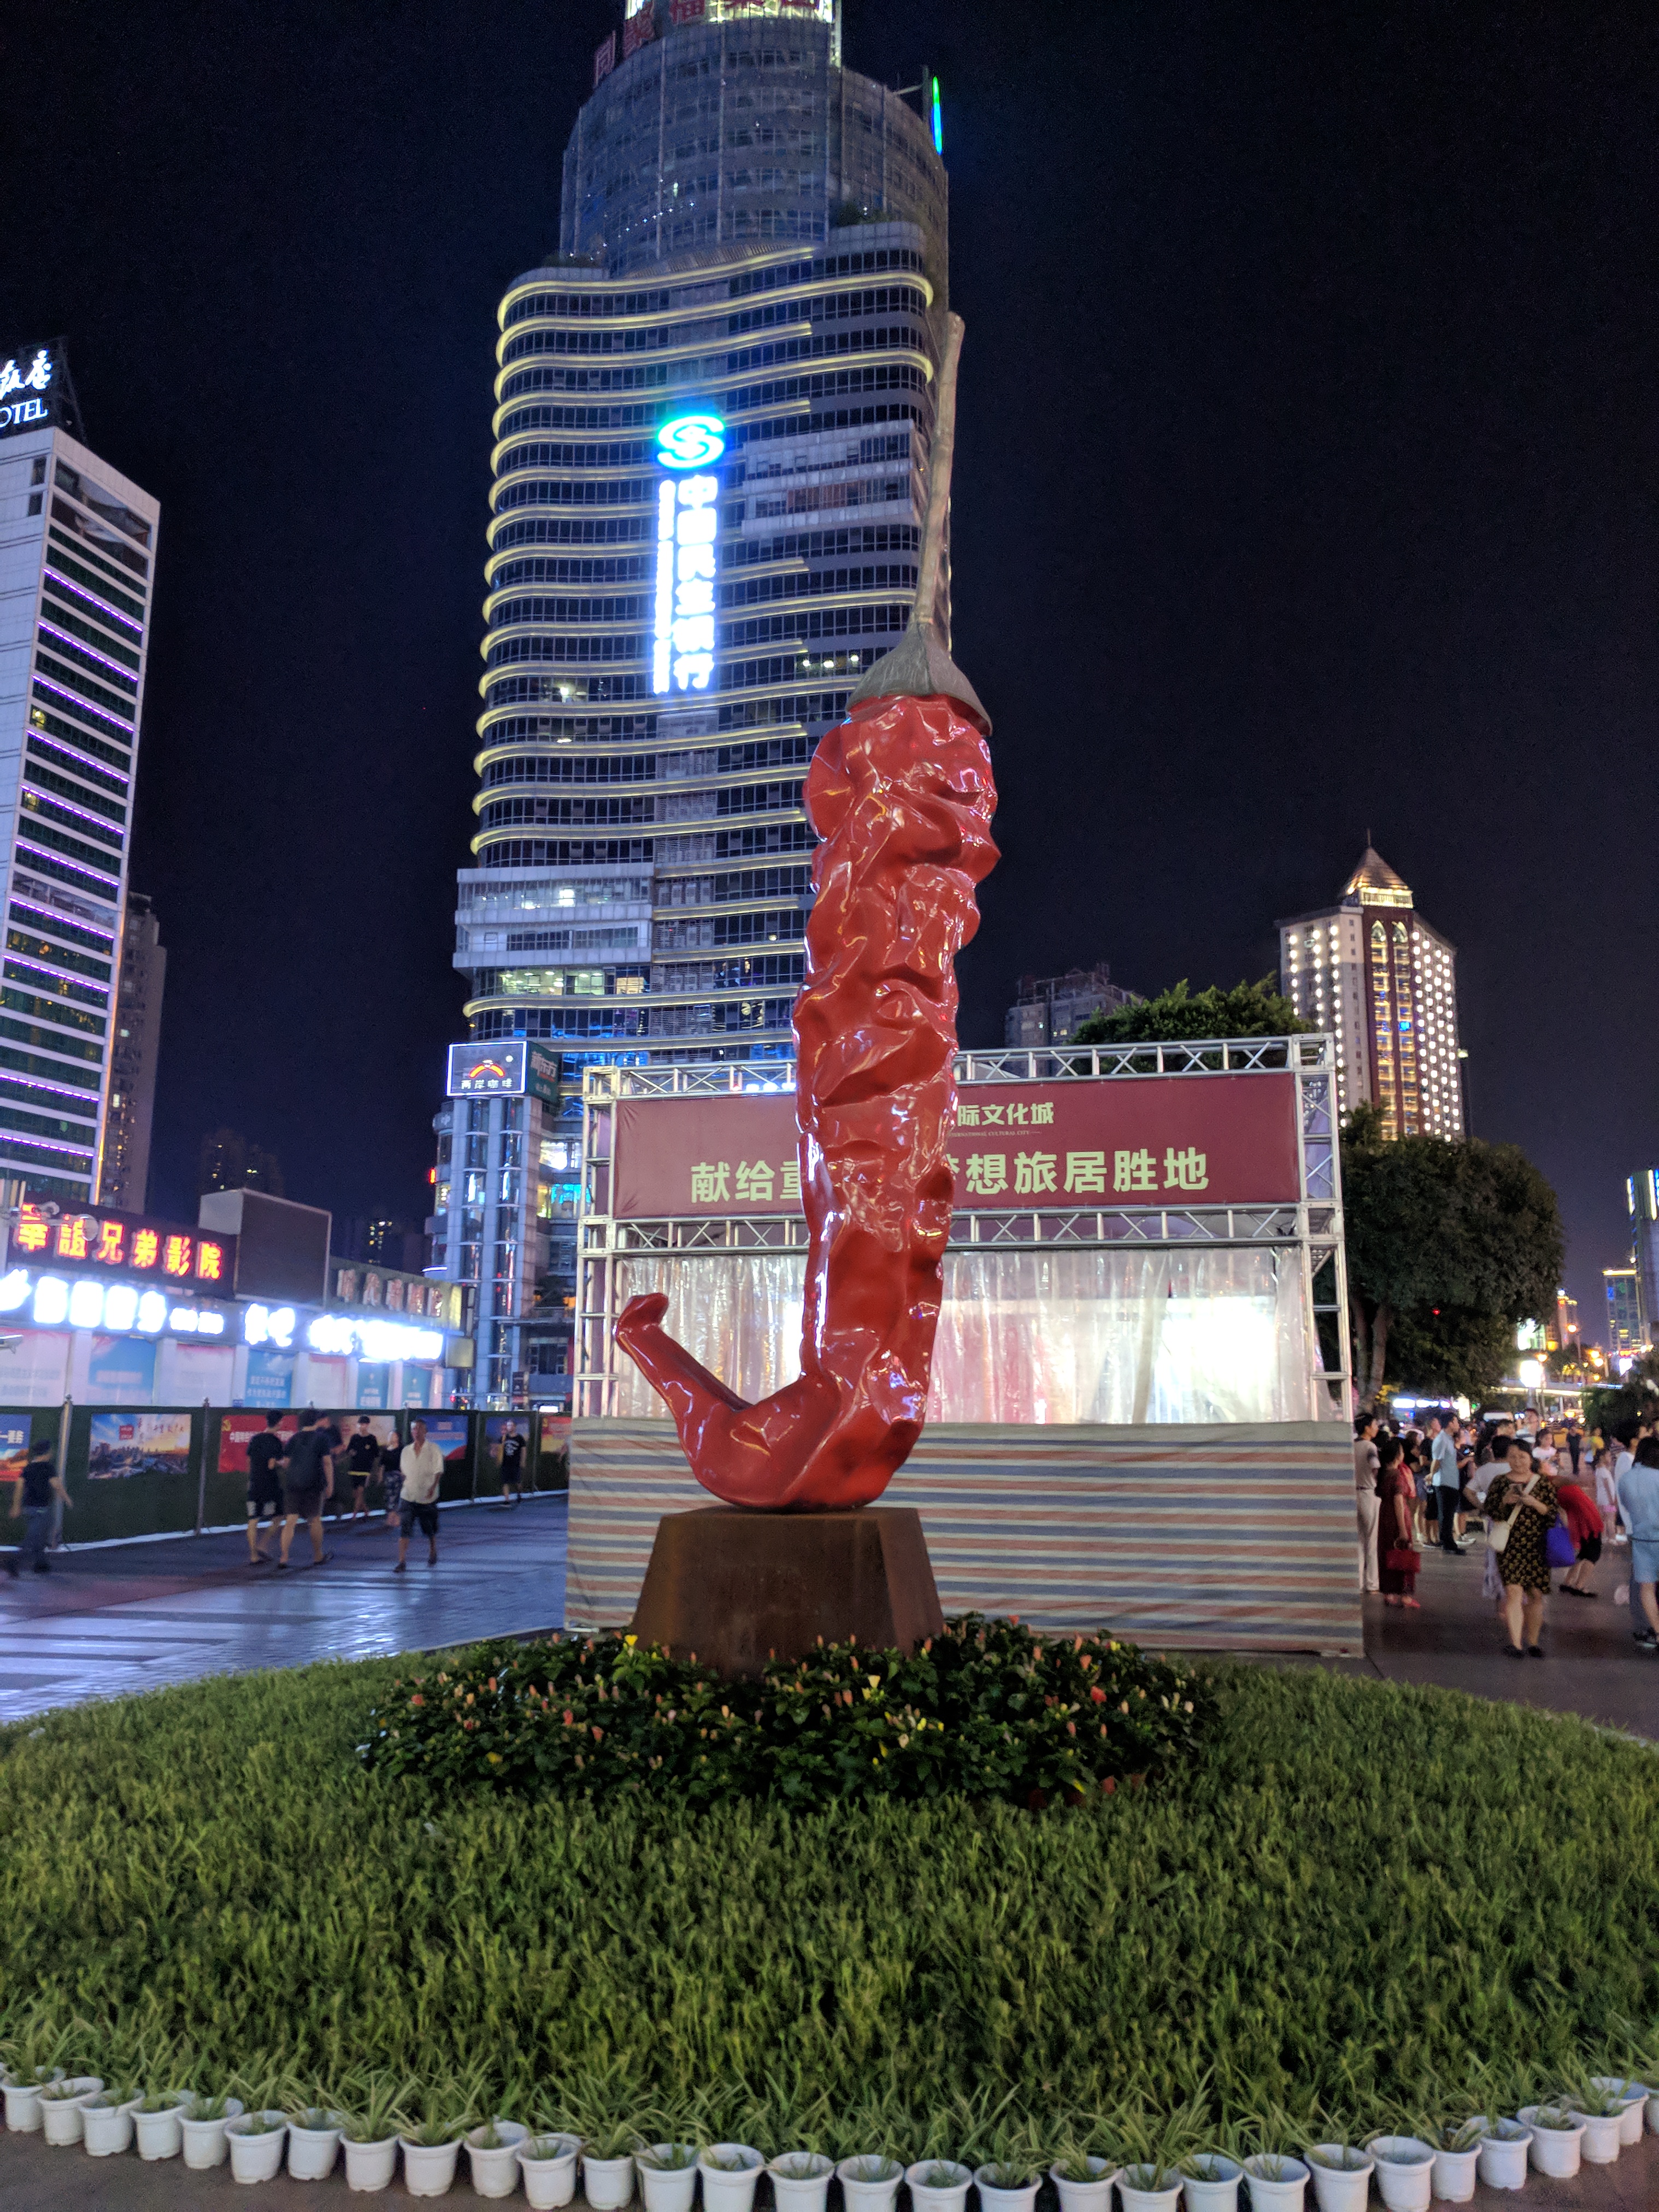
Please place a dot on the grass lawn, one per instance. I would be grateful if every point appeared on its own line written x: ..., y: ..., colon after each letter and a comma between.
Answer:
x: 1362, y: 1894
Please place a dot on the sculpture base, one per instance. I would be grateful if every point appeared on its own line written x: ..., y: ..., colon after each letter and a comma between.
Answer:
x: 735, y: 1587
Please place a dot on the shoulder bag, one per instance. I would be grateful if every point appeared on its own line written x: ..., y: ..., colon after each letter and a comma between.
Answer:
x: 1497, y: 1531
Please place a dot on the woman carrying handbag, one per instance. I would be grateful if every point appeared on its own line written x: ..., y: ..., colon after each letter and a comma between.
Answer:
x: 1520, y: 1510
x: 1399, y: 1560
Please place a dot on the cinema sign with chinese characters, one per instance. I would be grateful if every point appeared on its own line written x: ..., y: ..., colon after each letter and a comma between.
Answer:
x: 1107, y: 1142
x: 127, y: 1245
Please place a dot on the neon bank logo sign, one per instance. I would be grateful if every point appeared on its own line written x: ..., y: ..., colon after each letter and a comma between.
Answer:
x: 688, y: 522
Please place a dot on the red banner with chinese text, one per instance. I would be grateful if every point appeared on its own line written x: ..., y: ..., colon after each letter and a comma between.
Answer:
x: 1112, y: 1141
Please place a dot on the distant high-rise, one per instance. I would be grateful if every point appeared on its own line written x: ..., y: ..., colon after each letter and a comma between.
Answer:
x: 125, y: 1181
x: 1627, y: 1322
x: 1372, y: 972
x: 228, y: 1162
x: 1642, y: 1197
x: 77, y: 553
x: 1049, y: 1007
x: 714, y: 409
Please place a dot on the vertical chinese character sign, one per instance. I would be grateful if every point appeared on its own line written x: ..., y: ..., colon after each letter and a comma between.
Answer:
x: 902, y: 795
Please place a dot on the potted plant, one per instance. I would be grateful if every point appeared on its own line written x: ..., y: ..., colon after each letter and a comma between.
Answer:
x: 1405, y: 2171
x: 1278, y: 2182
x: 1341, y: 2176
x: 548, y: 2164
x: 1505, y: 2145
x: 60, y: 2106
x: 203, y: 2124
x: 1146, y: 2186
x: 1008, y: 2184
x: 106, y: 2121
x: 257, y: 2141
x: 1556, y: 2137
x: 608, y: 2170
x: 730, y: 2171
x: 1632, y: 2096
x: 22, y: 2090
x: 1209, y: 2181
x: 938, y: 2185
x: 801, y: 2181
x: 492, y: 2153
x: 1085, y: 2182
x: 369, y: 2134
x: 157, y: 2121
x: 313, y: 2142
x: 870, y: 2182
x: 1456, y: 2152
x: 430, y: 2151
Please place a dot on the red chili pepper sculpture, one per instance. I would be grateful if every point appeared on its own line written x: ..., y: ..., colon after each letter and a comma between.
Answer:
x: 902, y: 796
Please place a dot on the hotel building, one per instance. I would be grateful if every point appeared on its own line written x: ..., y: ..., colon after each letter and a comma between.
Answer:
x: 77, y: 553
x: 1374, y: 975
x: 712, y: 421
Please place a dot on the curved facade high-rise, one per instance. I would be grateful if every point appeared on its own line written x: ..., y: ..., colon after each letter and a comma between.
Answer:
x: 753, y: 244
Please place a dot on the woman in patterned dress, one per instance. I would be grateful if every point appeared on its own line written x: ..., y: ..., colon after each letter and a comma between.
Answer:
x: 1525, y: 1500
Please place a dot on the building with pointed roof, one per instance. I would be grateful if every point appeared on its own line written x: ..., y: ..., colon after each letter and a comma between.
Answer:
x: 1374, y: 974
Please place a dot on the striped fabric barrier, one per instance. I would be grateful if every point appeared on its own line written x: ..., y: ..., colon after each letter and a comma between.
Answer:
x: 1238, y: 1538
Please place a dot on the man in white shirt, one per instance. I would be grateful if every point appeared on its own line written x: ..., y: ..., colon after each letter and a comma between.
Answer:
x: 423, y: 1467
x: 1448, y: 1484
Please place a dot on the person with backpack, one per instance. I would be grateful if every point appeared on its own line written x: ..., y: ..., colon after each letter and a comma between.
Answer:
x: 264, y: 1487
x: 307, y: 1482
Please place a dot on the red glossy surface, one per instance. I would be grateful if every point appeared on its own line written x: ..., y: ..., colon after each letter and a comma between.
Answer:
x: 902, y: 795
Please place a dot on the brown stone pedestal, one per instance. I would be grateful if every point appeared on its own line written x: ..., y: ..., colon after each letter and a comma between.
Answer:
x: 735, y: 1586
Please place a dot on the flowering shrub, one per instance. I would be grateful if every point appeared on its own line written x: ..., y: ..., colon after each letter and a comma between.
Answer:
x: 987, y: 1710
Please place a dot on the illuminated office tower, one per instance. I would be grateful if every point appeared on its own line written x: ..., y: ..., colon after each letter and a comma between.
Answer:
x: 712, y: 418
x: 1627, y: 1325
x: 1642, y: 1197
x: 1374, y: 974
x: 77, y: 551
x: 133, y: 1063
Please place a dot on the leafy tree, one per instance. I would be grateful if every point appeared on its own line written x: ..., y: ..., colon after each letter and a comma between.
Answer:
x: 1450, y: 1243
x: 1619, y: 1409
x: 1249, y: 1010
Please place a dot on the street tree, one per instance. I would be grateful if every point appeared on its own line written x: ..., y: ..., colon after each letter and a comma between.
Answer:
x: 1249, y: 1010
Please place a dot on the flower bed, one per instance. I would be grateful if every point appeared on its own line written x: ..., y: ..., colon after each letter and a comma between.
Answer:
x: 987, y: 1710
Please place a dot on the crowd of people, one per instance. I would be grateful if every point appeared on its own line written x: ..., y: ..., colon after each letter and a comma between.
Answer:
x: 1548, y: 1497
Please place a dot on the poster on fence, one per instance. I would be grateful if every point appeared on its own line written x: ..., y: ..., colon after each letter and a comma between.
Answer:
x: 448, y: 1432
x: 14, y: 1446
x: 138, y: 1443
x: 234, y: 1432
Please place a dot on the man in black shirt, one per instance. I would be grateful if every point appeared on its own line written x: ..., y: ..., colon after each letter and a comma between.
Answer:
x: 511, y: 1449
x: 40, y: 1485
x: 264, y: 1487
x: 362, y: 1458
x: 308, y: 1482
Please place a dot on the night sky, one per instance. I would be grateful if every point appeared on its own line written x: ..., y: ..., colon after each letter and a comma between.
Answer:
x: 1306, y: 483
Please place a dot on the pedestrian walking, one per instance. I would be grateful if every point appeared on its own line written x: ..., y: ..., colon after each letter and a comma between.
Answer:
x: 1575, y: 1442
x: 512, y: 1465
x: 391, y: 1476
x: 1582, y: 1518
x: 422, y: 1470
x: 1367, y: 1504
x: 39, y: 1490
x: 1607, y: 1495
x: 362, y: 1458
x: 308, y: 1482
x: 264, y: 1487
x: 1520, y: 1510
x: 1638, y: 1503
x: 1448, y: 1483
x: 1400, y: 1559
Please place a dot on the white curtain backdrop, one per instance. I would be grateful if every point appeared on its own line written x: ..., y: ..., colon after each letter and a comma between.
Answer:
x: 1117, y: 1336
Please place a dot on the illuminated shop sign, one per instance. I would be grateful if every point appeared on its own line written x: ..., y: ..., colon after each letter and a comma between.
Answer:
x: 119, y: 1309
x: 688, y: 522
x: 25, y: 384
x: 127, y: 1243
x: 339, y: 1334
x: 270, y: 1325
x: 507, y: 1068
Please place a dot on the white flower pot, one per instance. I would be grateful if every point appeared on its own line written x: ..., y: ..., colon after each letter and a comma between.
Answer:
x: 1339, y: 2187
x: 23, y: 2101
x: 371, y: 2165
x: 548, y: 2182
x: 730, y: 2189
x: 495, y: 2173
x: 106, y: 2129
x: 801, y: 2181
x: 870, y: 2182
x: 429, y: 2168
x: 1453, y: 2174
x: 161, y: 2135
x: 1503, y: 2157
x: 666, y: 2188
x: 60, y: 2117
x: 312, y: 2151
x: 1633, y: 2095
x: 948, y: 2193
x: 1094, y: 2195
x: 607, y: 2183
x: 1276, y: 2183
x: 1022, y: 2199
x: 1555, y: 2151
x: 1602, y: 2137
x: 1154, y: 2192
x: 204, y: 2140
x: 256, y: 2157
x: 1405, y: 2171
